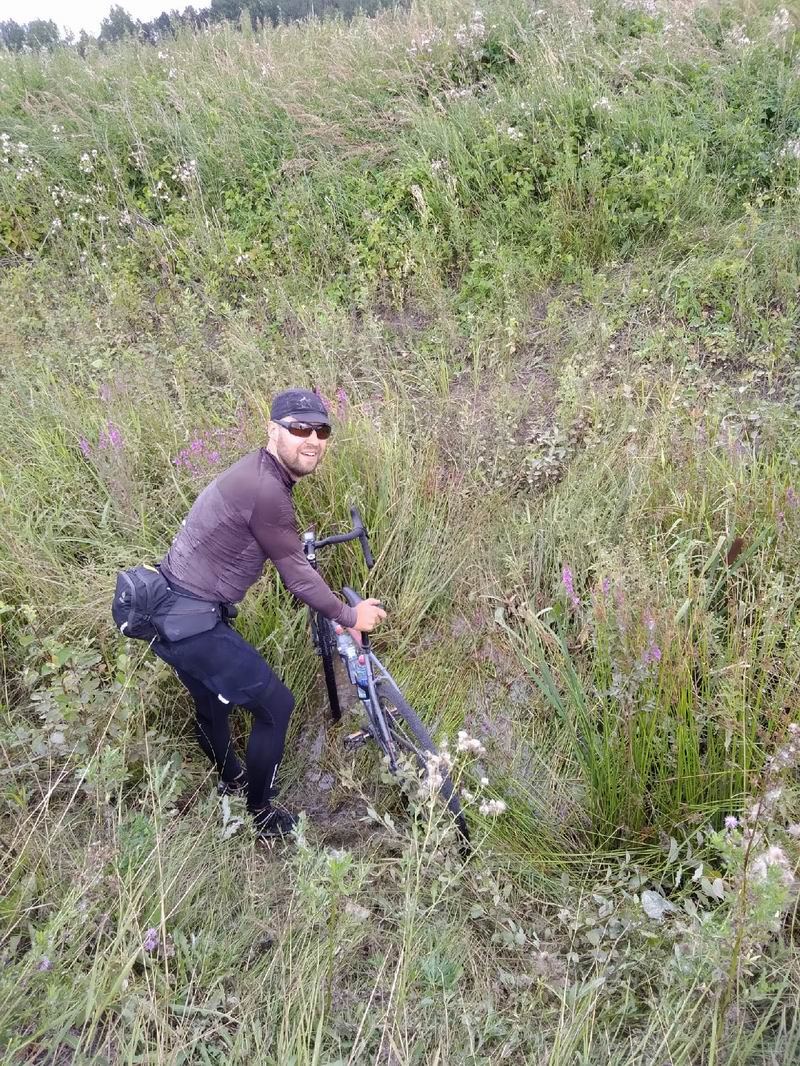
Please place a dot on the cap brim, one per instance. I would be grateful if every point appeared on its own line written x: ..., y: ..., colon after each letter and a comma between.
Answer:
x: 311, y: 418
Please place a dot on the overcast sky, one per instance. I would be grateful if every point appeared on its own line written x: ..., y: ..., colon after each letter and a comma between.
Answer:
x: 78, y: 15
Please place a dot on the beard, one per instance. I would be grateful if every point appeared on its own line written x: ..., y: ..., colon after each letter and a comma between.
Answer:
x: 297, y: 464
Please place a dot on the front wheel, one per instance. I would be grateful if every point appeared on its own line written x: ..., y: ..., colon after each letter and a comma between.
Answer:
x: 411, y: 736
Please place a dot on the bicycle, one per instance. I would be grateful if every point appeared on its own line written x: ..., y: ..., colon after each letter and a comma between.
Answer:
x: 390, y: 720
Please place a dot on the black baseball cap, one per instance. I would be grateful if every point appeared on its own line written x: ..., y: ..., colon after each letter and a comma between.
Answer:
x: 302, y: 405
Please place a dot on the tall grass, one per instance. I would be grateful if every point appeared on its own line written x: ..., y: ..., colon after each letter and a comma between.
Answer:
x: 543, y: 262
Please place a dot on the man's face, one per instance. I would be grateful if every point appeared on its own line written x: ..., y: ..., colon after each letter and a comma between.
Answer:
x: 300, y: 455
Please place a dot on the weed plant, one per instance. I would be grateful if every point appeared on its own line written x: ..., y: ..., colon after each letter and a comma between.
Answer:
x: 542, y: 262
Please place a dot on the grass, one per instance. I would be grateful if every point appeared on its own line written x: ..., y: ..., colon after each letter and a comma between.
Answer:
x: 544, y: 264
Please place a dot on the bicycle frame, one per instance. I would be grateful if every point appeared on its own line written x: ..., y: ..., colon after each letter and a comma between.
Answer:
x: 363, y: 666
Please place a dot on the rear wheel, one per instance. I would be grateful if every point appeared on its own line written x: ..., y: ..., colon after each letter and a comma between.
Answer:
x: 411, y: 736
x: 327, y: 647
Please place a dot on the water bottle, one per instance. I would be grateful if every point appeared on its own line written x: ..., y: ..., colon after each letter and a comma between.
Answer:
x: 355, y: 660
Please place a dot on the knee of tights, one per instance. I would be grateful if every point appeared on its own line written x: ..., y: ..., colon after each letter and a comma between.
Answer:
x: 277, y: 702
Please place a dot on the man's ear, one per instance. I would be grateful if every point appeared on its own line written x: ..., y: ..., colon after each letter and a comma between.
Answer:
x: 272, y: 430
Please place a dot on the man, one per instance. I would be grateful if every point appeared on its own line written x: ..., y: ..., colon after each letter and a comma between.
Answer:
x: 244, y: 517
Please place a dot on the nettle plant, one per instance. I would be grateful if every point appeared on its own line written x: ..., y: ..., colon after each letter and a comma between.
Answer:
x: 74, y: 695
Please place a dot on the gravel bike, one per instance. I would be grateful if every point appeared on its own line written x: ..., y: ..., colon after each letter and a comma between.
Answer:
x: 389, y: 719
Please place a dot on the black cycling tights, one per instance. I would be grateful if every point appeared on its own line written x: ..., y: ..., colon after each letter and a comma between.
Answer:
x: 271, y: 710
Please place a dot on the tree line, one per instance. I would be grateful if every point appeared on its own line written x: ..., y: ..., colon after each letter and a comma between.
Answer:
x: 119, y: 24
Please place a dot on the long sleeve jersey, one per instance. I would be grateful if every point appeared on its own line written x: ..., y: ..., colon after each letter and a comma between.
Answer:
x: 244, y: 517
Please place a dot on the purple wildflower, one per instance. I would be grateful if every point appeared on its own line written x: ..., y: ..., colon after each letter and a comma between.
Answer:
x: 150, y: 942
x: 86, y: 447
x: 341, y: 401
x: 566, y: 577
x: 792, y: 498
x: 731, y: 821
x: 105, y: 392
x: 605, y: 585
x: 45, y: 964
x: 114, y: 436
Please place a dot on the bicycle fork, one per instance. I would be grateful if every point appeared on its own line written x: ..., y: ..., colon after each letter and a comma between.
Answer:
x: 359, y: 669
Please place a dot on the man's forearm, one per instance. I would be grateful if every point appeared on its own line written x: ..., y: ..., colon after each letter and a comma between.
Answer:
x: 307, y: 585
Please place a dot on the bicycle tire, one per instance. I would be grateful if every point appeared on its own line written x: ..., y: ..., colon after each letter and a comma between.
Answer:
x: 387, y: 693
x: 327, y: 642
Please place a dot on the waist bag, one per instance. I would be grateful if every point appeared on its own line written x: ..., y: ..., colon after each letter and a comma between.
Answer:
x: 146, y: 608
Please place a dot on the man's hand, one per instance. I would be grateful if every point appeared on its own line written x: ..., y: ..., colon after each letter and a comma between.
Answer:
x: 368, y: 614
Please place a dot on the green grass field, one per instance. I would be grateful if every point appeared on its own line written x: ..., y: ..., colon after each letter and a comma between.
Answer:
x: 545, y: 262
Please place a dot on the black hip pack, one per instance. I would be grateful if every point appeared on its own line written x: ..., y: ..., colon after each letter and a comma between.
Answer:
x: 145, y: 607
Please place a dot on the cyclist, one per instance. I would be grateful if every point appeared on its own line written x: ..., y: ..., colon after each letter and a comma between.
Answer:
x: 238, y: 522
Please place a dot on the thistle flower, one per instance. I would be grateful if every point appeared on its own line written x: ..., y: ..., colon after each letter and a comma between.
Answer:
x: 151, y: 938
x: 731, y: 821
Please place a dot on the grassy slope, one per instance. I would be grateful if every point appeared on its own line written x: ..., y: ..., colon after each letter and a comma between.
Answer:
x: 545, y: 263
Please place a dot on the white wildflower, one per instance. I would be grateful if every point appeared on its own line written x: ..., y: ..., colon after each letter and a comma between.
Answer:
x: 791, y: 150
x: 185, y: 173
x: 56, y: 224
x: 485, y: 782
x: 514, y: 134
x: 737, y: 38
x: 603, y: 104
x: 458, y: 94
x: 465, y: 35
x: 467, y: 743
x: 86, y: 164
x: 781, y: 23
x: 492, y: 808
x: 773, y: 857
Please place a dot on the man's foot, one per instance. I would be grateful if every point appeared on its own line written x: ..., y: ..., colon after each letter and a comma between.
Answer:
x: 237, y: 787
x: 273, y: 822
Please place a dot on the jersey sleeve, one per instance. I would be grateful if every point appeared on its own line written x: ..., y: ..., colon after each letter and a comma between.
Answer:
x: 273, y: 525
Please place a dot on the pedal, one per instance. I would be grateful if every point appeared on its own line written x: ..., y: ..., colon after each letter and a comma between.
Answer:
x: 354, y: 741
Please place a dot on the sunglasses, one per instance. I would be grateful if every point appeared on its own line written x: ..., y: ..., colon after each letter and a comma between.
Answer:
x: 303, y: 429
